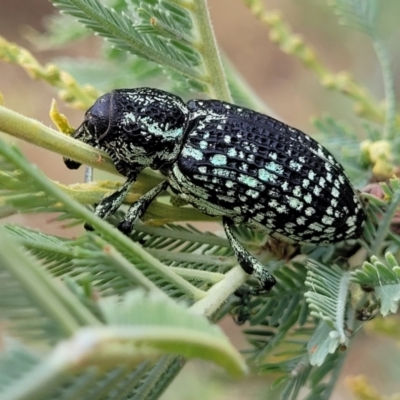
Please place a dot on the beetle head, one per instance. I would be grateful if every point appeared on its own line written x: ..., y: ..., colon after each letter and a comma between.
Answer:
x: 141, y: 127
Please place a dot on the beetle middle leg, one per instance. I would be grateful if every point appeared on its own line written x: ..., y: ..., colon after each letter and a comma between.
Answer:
x: 110, y: 204
x: 139, y: 207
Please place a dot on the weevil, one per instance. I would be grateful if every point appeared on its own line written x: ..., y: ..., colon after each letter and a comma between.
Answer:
x: 227, y: 161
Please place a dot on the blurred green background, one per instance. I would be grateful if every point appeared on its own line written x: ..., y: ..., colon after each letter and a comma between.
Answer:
x: 286, y: 87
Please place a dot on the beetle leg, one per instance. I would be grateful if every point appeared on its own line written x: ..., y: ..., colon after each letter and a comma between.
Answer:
x: 139, y: 207
x: 249, y: 263
x: 110, y: 204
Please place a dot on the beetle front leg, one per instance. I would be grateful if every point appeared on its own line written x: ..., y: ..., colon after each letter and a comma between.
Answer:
x: 139, y: 207
x: 110, y: 204
x: 249, y: 263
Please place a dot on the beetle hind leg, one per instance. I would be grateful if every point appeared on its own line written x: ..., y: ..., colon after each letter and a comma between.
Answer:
x: 249, y: 263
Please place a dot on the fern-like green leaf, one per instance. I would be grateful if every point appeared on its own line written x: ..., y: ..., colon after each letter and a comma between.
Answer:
x: 358, y: 14
x: 139, y: 328
x: 384, y: 279
x: 175, y: 35
x: 362, y: 16
x: 327, y: 298
x: 36, y: 309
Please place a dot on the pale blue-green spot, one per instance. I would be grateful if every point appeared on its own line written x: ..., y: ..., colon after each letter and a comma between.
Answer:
x: 203, y: 145
x: 202, y: 169
x: 327, y: 220
x: 252, y: 193
x: 193, y: 153
x: 232, y: 152
x: 297, y: 191
x: 301, y: 221
x: 272, y: 155
x: 280, y: 208
x: 218, y: 160
x: 295, y: 165
x: 316, y: 227
x: 223, y: 172
x: 203, y: 178
x: 266, y: 176
x: 244, y: 167
x: 289, y: 230
x: 351, y: 220
x: 273, y: 192
x: 311, y: 175
x: 274, y: 167
x: 254, y: 148
x: 308, y: 198
x: 248, y: 181
x: 226, y: 198
x: 309, y: 211
x: 317, y: 190
x: 335, y: 192
x: 306, y: 183
x: 295, y: 203
x: 259, y: 217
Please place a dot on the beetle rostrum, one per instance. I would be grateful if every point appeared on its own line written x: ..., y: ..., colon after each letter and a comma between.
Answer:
x: 227, y: 161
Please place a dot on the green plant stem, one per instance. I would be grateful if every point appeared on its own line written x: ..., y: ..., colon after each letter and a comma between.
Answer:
x: 184, y: 235
x: 384, y: 225
x: 56, y: 302
x: 281, y: 34
x: 335, y: 375
x: 71, y: 92
x: 198, y: 275
x: 219, y: 293
x: 218, y: 87
x: 388, y: 83
x: 32, y: 131
x: 127, y: 268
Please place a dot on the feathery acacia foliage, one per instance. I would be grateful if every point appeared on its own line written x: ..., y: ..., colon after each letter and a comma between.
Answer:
x: 111, y: 317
